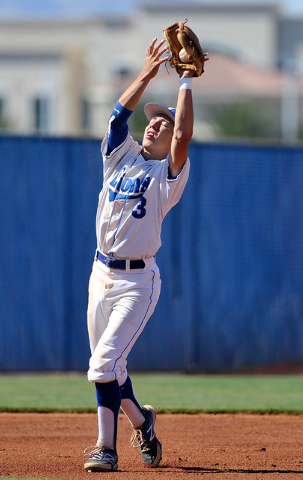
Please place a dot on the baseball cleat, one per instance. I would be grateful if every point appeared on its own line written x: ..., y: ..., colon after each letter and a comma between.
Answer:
x: 101, y: 460
x: 150, y: 447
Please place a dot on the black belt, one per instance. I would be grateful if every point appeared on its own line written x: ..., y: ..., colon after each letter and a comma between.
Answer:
x: 120, y: 264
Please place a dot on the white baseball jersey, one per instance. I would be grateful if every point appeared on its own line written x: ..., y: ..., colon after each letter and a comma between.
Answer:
x: 136, y: 196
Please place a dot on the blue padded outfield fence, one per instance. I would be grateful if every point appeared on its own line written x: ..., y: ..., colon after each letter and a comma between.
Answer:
x: 231, y: 260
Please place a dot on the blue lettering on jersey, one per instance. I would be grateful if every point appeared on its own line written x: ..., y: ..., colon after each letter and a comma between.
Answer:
x: 122, y: 187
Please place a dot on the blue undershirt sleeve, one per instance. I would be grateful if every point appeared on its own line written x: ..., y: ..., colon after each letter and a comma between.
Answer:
x: 118, y: 128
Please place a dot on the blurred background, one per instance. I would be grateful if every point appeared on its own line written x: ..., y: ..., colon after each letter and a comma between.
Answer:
x: 63, y: 63
x: 232, y: 249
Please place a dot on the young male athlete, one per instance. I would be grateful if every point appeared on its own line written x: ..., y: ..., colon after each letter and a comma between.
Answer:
x: 141, y: 184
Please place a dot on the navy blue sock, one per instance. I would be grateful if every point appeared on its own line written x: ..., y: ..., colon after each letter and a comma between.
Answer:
x: 128, y: 392
x: 109, y: 396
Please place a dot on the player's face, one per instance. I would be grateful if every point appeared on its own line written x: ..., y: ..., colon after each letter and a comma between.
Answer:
x: 158, y: 136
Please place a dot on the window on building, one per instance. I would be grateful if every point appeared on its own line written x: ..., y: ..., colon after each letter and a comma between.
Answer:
x: 123, y: 71
x: 1, y: 108
x: 86, y: 116
x: 41, y: 114
x: 3, y: 120
x: 2, y: 114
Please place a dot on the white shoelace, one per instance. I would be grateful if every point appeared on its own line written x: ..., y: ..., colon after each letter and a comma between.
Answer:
x: 137, y: 440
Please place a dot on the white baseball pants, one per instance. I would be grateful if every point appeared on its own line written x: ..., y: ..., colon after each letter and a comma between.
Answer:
x: 119, y: 306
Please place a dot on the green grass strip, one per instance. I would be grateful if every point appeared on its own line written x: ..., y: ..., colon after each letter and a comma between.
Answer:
x: 175, y: 393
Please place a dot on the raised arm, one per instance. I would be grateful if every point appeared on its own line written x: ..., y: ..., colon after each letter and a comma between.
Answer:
x: 184, y: 120
x: 130, y: 98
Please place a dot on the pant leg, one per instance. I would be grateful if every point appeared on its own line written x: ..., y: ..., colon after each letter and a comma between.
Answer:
x: 98, y: 311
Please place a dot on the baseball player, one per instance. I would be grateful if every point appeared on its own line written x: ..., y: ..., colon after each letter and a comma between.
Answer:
x: 141, y: 184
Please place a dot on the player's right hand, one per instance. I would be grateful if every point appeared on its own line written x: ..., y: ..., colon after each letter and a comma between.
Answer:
x: 153, y: 58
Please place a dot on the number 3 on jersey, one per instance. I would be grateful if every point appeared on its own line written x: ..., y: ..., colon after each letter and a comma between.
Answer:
x: 140, y: 211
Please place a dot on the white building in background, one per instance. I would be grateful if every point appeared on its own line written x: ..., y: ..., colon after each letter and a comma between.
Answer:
x: 62, y: 77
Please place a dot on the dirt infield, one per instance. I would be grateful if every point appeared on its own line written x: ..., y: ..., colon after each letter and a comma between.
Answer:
x: 213, y: 446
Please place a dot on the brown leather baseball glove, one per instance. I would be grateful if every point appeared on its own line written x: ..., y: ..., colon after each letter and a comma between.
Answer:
x: 185, y: 48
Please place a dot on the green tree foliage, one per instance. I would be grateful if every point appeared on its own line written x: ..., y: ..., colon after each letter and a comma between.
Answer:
x: 243, y: 120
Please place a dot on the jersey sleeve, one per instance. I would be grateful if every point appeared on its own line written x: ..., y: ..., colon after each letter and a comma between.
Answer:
x: 124, y: 154
x: 117, y: 127
x: 117, y: 141
x: 171, y: 189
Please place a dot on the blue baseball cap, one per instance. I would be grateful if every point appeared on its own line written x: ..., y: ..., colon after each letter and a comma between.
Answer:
x: 152, y: 109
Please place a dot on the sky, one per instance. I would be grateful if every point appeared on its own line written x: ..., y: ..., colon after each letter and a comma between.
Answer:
x: 17, y: 8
